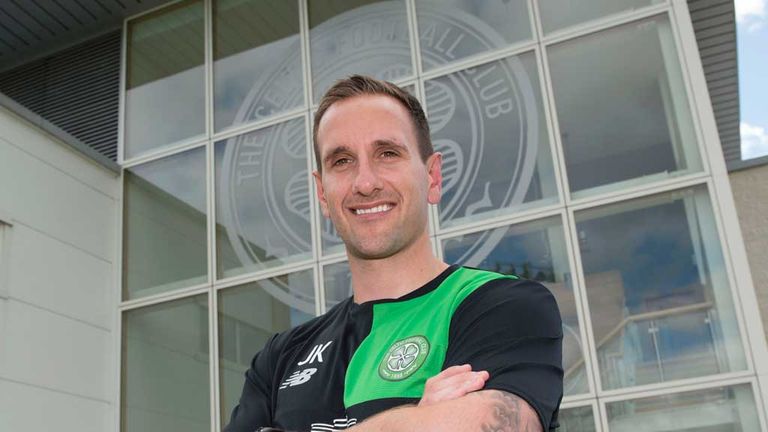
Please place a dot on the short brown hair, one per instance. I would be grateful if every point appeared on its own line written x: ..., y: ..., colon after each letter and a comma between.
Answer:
x: 359, y: 85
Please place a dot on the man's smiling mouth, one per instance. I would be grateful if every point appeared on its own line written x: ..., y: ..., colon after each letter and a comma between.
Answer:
x: 378, y: 209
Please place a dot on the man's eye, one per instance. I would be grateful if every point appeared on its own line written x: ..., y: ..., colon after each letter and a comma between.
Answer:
x: 389, y: 154
x: 341, y: 161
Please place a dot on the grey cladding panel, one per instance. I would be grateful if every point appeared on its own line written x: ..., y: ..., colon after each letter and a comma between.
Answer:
x: 76, y: 89
x: 714, y: 23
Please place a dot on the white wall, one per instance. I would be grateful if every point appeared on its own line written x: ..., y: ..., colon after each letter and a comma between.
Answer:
x: 57, y: 305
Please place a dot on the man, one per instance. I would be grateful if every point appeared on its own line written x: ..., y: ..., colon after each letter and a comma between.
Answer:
x: 397, y: 355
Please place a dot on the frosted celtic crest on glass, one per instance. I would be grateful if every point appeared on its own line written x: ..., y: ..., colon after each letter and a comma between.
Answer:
x: 493, y: 162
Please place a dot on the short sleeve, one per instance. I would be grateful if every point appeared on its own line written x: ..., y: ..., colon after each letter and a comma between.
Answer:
x: 512, y: 329
x: 254, y: 409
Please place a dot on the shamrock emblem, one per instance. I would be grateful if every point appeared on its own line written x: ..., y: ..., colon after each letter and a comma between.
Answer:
x: 402, y: 357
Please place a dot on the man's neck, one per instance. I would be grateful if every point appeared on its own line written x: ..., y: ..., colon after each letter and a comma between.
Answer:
x: 395, y: 276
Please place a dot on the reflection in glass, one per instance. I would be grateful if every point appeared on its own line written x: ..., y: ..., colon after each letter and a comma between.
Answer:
x: 338, y: 283
x: 257, y: 60
x: 558, y: 14
x: 658, y: 292
x: 331, y: 241
x: 721, y: 409
x: 165, y: 367
x: 262, y: 199
x: 165, y: 93
x: 579, y: 419
x: 357, y: 37
x: 624, y: 120
x: 248, y: 316
x: 489, y: 124
x: 164, y: 225
x: 453, y: 30
x: 534, y: 250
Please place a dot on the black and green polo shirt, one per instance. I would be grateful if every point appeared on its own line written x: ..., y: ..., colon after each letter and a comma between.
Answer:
x: 361, y: 359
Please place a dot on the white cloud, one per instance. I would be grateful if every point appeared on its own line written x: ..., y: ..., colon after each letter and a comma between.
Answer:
x: 751, y: 13
x: 754, y: 141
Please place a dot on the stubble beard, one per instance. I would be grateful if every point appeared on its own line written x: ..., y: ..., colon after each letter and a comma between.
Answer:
x: 373, y: 246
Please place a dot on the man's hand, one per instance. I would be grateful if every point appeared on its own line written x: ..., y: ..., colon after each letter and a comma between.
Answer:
x: 452, y: 383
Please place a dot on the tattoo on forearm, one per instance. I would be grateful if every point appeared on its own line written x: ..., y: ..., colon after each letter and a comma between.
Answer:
x: 510, y: 414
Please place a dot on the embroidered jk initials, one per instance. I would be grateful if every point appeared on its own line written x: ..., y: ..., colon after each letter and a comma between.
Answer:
x: 315, y: 355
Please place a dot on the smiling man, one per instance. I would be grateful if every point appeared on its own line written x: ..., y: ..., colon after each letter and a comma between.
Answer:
x: 399, y: 354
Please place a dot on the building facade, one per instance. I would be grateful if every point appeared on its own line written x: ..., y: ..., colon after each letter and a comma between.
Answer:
x: 58, y: 246
x: 581, y: 149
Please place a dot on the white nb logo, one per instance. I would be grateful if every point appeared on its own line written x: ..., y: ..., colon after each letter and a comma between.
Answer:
x: 338, y: 424
x: 298, y: 378
x: 315, y: 355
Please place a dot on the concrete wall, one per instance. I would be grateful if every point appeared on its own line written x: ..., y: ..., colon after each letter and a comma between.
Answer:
x: 57, y: 270
x: 750, y: 193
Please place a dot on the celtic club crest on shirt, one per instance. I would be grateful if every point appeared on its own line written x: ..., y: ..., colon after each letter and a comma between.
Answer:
x: 404, y: 358
x: 265, y: 173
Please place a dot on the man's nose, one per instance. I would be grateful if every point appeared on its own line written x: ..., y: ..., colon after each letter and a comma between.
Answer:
x: 367, y: 180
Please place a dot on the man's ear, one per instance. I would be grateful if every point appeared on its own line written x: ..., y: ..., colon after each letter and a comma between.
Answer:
x: 321, y: 193
x: 435, y: 176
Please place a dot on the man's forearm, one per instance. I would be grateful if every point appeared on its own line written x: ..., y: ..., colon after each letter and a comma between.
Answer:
x: 484, y: 411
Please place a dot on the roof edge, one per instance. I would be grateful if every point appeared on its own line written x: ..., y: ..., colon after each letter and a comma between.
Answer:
x: 59, y: 133
x: 746, y: 164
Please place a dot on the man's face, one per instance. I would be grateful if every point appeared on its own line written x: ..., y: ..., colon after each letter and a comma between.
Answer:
x: 374, y: 185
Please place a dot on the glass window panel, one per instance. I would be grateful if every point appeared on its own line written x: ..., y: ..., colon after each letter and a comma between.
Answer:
x: 262, y: 199
x: 330, y: 240
x: 248, y: 316
x: 534, y: 250
x: 624, y: 120
x: 658, y: 291
x: 489, y: 123
x: 357, y: 37
x: 338, y: 283
x: 721, y: 409
x: 457, y: 29
x: 165, y: 367
x: 558, y: 14
x: 579, y: 419
x: 257, y: 60
x: 165, y: 94
x: 164, y: 225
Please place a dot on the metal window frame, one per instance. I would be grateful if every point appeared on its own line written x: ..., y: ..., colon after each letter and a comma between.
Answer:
x: 170, y: 147
x: 117, y: 318
x: 734, y: 251
x: 699, y: 181
x: 693, y: 386
x: 713, y: 175
x: 592, y: 403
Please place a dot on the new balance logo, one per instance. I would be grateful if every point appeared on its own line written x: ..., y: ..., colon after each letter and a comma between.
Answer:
x: 298, y: 378
x: 315, y: 355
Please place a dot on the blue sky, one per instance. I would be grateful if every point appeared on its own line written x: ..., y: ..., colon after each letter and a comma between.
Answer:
x: 752, y: 36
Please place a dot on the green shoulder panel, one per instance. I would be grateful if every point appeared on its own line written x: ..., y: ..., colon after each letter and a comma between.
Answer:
x: 408, y: 341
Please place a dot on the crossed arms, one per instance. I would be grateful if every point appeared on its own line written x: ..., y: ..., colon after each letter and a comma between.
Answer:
x: 451, y: 402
